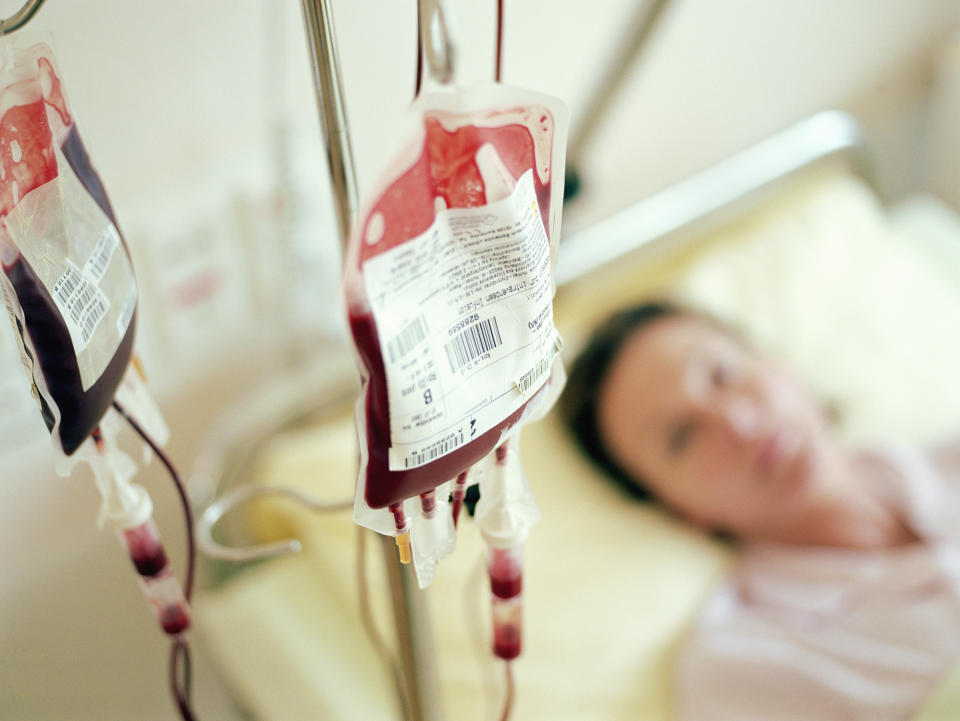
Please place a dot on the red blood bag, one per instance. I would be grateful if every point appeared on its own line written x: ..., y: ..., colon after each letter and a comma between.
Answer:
x: 448, y: 283
x: 67, y: 279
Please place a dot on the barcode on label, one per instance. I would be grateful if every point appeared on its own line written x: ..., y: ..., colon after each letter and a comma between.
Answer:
x: 81, y: 303
x: 68, y: 283
x: 84, y: 296
x: 440, y: 448
x: 99, y: 259
x: 407, y: 339
x: 528, y: 379
x: 92, y: 316
x: 472, y: 343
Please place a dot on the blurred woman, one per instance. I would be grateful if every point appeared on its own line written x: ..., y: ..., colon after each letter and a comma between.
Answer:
x: 844, y: 602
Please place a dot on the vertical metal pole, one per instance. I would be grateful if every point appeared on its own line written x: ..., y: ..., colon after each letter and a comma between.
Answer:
x: 410, y: 611
x: 414, y: 640
x: 633, y: 43
x: 322, y: 43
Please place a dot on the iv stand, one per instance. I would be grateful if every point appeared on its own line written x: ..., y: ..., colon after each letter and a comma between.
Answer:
x: 410, y: 611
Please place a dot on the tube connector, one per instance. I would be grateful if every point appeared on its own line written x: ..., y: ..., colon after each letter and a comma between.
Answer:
x: 124, y: 504
x: 403, y: 546
x: 128, y: 506
x: 403, y: 533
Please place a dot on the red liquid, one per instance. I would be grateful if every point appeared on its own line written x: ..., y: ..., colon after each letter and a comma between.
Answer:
x: 428, y: 503
x: 384, y: 486
x: 146, y: 551
x: 174, y: 620
x: 157, y: 579
x: 446, y: 168
x: 506, y: 587
x: 459, y: 491
x: 505, y: 567
x: 507, y: 642
x: 80, y: 411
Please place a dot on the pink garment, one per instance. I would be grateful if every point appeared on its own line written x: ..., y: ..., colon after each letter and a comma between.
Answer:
x: 834, y: 634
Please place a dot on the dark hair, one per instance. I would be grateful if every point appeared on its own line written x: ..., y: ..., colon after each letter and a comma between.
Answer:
x: 578, y: 404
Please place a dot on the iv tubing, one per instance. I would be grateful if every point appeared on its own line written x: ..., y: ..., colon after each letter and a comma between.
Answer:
x: 179, y: 648
x: 181, y: 490
x: 459, y: 491
x: 508, y: 699
x: 181, y: 693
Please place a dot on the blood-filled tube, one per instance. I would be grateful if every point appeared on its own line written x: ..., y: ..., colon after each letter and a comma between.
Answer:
x: 428, y: 503
x: 457, y: 495
x: 505, y: 566
x: 157, y: 579
x: 505, y: 543
x: 128, y: 508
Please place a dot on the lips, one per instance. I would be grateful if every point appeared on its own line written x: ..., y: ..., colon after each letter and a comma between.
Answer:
x: 774, y: 449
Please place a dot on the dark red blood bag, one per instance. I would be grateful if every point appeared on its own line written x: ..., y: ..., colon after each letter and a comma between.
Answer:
x: 67, y: 279
x: 449, y: 289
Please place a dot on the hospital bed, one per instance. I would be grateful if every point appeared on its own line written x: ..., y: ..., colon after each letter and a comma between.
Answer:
x: 789, y: 243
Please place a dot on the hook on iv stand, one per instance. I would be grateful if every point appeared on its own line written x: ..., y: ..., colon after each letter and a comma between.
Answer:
x: 21, y: 17
x: 434, y: 24
x: 241, y: 494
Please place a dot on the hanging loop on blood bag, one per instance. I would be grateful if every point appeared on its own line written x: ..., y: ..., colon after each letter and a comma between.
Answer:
x: 241, y: 494
x: 434, y: 23
x: 21, y: 17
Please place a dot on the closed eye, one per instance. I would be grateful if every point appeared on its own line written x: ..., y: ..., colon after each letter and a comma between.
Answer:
x: 721, y: 374
x: 680, y: 437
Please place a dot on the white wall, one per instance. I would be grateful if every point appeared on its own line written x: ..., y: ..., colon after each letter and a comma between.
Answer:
x: 179, y: 104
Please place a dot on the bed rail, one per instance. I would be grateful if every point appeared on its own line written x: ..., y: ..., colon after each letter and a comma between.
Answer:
x: 707, y: 199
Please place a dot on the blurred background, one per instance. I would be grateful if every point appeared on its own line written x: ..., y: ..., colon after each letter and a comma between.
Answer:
x: 202, y: 121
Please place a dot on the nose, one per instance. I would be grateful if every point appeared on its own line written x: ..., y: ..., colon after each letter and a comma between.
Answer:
x: 738, y: 415
x: 743, y: 417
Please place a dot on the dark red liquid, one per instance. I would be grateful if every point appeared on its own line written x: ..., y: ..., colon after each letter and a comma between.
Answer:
x: 383, y: 485
x: 446, y: 168
x: 428, y: 503
x: 174, y: 620
x: 507, y: 641
x: 146, y: 551
x: 505, y: 567
x: 80, y: 411
x: 506, y: 587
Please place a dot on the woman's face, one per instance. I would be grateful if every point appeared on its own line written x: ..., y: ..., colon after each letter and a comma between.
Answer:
x: 717, y: 433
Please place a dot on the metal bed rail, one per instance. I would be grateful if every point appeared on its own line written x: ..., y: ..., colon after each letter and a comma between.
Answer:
x: 717, y: 194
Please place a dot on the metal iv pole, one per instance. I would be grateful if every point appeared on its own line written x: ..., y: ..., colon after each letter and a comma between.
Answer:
x: 419, y: 690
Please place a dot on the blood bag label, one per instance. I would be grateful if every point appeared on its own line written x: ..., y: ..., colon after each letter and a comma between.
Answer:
x: 81, y: 303
x: 465, y: 318
x: 72, y: 247
x: 99, y: 259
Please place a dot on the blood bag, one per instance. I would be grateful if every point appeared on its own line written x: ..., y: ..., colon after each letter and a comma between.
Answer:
x: 67, y: 279
x: 449, y: 289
